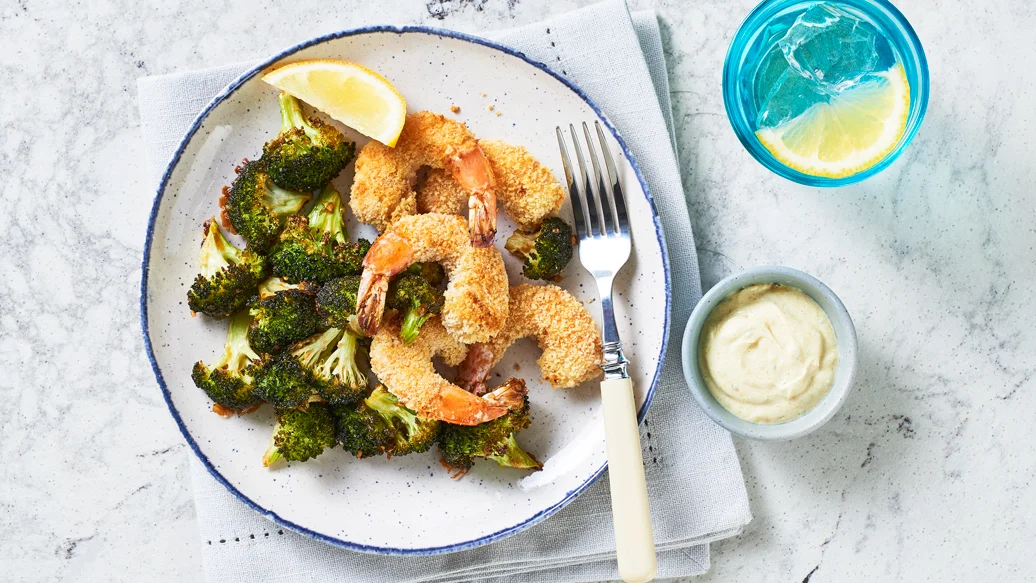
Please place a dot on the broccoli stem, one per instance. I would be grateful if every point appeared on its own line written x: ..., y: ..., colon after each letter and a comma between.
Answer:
x: 413, y: 434
x: 342, y: 362
x: 309, y: 352
x: 216, y: 252
x: 292, y: 116
x: 273, y: 285
x: 238, y: 352
x: 413, y: 319
x: 284, y: 202
x: 326, y: 215
x: 520, y: 243
x: 382, y: 402
x: 272, y: 454
x: 354, y: 327
x: 385, y: 404
x: 516, y: 457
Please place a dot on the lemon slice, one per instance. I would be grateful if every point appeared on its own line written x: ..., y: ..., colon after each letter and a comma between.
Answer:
x: 847, y: 134
x: 349, y: 93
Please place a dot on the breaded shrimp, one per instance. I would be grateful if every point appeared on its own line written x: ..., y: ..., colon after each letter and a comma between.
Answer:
x: 383, y: 187
x: 525, y: 188
x: 475, y: 301
x: 409, y: 374
x: 563, y: 327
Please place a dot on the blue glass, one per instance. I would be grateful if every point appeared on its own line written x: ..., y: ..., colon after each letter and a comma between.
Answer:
x: 771, y: 75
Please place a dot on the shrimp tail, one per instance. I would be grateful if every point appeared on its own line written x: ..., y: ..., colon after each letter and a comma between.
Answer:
x: 472, y: 170
x: 389, y: 255
x: 482, y: 219
x: 510, y: 395
x: 370, y: 301
x: 460, y: 407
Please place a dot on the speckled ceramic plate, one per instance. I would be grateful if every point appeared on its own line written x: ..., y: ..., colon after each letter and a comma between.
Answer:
x: 406, y: 505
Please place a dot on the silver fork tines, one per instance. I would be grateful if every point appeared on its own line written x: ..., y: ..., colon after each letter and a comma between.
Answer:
x: 602, y: 227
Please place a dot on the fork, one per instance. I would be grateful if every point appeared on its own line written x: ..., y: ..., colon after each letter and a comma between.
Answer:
x: 602, y: 227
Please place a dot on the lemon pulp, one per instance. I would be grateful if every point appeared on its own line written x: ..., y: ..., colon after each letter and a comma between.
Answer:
x: 349, y: 93
x: 847, y: 134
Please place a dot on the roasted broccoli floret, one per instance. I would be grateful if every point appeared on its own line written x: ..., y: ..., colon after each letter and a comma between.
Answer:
x: 257, y: 208
x: 380, y: 425
x: 307, y: 154
x: 546, y: 252
x: 336, y: 301
x: 339, y: 379
x: 300, y: 434
x: 283, y: 319
x: 229, y: 278
x: 316, y: 248
x: 495, y: 440
x: 324, y: 363
x: 362, y: 432
x: 229, y: 382
x: 283, y: 382
x: 415, y: 298
x: 352, y: 255
x: 288, y: 380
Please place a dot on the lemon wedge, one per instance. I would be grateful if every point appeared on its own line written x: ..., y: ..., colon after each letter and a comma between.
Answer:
x: 349, y: 93
x: 847, y: 134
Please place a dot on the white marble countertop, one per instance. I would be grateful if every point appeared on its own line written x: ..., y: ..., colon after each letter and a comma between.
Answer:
x: 926, y: 474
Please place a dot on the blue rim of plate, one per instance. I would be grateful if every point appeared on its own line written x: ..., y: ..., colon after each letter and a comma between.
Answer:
x: 196, y: 124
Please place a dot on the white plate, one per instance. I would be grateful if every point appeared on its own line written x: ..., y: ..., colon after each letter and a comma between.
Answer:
x: 406, y: 505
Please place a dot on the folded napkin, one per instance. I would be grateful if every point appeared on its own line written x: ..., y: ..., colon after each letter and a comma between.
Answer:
x: 694, y: 481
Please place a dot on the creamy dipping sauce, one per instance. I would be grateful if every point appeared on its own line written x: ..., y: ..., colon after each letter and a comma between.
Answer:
x: 768, y: 353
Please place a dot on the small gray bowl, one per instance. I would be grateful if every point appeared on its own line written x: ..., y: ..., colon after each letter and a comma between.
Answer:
x: 845, y: 335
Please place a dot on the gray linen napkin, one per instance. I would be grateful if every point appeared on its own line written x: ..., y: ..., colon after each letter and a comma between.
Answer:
x: 695, y: 484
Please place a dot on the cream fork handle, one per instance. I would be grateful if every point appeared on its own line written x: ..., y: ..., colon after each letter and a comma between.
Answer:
x: 631, y: 515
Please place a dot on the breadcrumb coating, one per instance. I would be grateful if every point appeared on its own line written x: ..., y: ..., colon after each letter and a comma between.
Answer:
x: 476, y: 305
x: 563, y: 328
x: 525, y: 188
x: 409, y: 374
x: 383, y: 186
